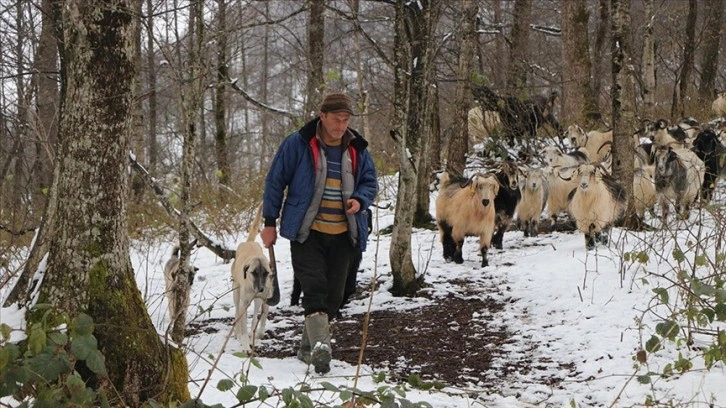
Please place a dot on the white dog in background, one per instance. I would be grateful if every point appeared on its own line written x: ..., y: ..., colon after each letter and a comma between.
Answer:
x: 171, y: 268
x: 252, y: 281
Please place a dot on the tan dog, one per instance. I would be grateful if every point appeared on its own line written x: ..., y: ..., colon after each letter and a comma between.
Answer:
x: 171, y: 268
x: 252, y: 281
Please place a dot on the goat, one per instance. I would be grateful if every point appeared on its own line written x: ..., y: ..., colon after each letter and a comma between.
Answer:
x: 506, y: 200
x: 553, y: 156
x: 560, y: 184
x: 719, y: 105
x: 464, y: 208
x: 644, y: 155
x: 644, y: 194
x: 533, y: 188
x: 597, y: 203
x: 518, y: 117
x: 690, y: 127
x: 597, y: 144
x: 679, y: 175
x: 711, y: 151
x: 663, y: 135
x: 482, y: 124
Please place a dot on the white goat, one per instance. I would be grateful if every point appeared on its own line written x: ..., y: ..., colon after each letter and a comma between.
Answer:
x: 534, y: 188
x: 553, y: 156
x: 679, y: 176
x: 644, y: 194
x: 719, y: 105
x: 597, y: 203
x: 597, y: 144
x: 560, y: 184
x: 482, y: 124
x: 465, y: 208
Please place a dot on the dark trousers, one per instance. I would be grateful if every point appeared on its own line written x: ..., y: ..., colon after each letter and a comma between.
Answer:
x: 321, y: 265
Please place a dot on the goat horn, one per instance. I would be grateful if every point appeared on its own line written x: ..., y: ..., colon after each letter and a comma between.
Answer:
x: 468, y: 182
x: 607, y: 142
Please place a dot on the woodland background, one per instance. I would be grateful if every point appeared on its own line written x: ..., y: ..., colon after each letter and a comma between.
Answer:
x: 202, y: 93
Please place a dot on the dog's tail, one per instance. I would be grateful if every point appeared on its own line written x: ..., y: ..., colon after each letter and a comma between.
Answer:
x: 255, y: 225
x: 175, y: 252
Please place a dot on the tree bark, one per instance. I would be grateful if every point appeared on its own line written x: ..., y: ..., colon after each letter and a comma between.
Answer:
x: 405, y: 281
x: 579, y: 104
x: 316, y: 46
x: 459, y: 140
x: 680, y: 96
x: 48, y: 102
x: 649, y: 85
x: 711, y: 44
x: 151, y: 62
x: 599, y: 62
x: 623, y: 104
x: 191, y: 91
x: 519, y: 48
x: 88, y: 267
x: 421, y: 23
x: 220, y: 105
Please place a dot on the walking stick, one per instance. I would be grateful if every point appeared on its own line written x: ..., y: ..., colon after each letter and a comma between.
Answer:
x: 275, y: 298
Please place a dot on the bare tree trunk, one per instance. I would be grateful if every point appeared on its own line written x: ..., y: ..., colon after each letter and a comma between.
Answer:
x: 48, y: 102
x: 519, y: 49
x: 680, y: 95
x: 421, y: 23
x: 579, y: 104
x: 434, y: 151
x: 405, y: 281
x: 459, y: 140
x: 648, y: 89
x: 267, y: 145
x: 599, y: 62
x: 89, y: 269
x: 499, y: 75
x: 151, y: 61
x: 623, y: 104
x: 191, y: 92
x: 316, y: 45
x: 138, y: 144
x: 220, y: 105
x: 362, y: 91
x: 711, y: 44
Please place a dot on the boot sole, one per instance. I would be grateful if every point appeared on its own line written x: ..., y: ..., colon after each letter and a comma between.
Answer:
x: 320, y: 358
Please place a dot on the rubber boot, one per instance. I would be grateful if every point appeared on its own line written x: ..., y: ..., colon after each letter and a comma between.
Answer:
x: 303, y: 354
x: 318, y: 329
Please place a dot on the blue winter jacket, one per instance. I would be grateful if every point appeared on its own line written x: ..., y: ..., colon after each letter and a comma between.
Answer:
x: 293, y: 169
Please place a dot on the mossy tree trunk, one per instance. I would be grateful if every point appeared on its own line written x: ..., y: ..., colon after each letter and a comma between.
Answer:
x: 88, y: 265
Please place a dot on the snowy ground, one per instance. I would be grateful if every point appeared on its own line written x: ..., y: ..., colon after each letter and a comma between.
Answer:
x: 591, y: 310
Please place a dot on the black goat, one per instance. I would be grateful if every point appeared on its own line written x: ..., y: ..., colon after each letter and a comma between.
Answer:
x: 506, y: 200
x: 519, y: 117
x: 709, y: 148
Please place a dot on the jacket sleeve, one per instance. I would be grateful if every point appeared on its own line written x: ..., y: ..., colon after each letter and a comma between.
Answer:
x: 276, y: 181
x: 367, y: 186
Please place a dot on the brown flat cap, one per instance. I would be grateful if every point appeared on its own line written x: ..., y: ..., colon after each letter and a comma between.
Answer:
x: 337, y: 102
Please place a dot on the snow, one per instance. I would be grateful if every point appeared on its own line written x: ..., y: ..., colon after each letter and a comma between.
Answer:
x: 567, y: 306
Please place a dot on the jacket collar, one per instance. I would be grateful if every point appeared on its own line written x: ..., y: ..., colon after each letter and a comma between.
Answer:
x: 309, y: 130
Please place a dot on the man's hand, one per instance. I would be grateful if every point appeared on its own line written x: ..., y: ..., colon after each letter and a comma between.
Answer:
x: 353, y: 206
x: 269, y: 236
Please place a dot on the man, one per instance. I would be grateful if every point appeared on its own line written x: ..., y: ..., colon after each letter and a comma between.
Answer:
x: 330, y: 181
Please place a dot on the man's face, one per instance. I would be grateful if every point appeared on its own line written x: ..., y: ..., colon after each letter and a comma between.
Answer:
x: 335, y: 124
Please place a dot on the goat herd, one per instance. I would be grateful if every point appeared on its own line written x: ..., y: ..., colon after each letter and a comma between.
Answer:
x: 675, y: 166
